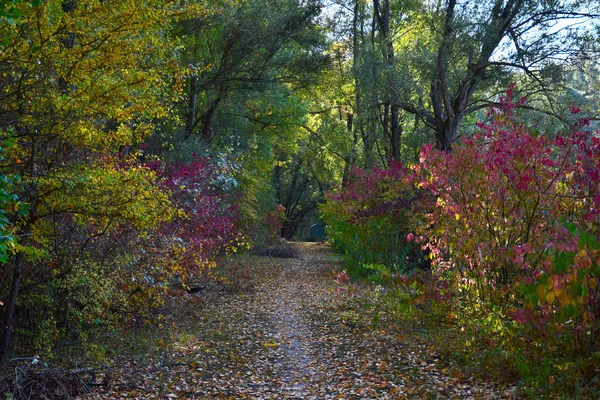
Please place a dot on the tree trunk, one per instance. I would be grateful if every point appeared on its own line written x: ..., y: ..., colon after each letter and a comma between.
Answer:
x: 349, y: 160
x: 190, y: 122
x: 9, y: 313
x: 450, y: 109
x: 443, y: 110
x: 385, y: 121
x: 207, y: 133
x: 396, y: 134
x: 391, y: 117
x: 368, y: 145
x: 447, y: 134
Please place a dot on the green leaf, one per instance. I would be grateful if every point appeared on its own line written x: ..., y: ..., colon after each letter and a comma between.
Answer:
x: 561, y: 263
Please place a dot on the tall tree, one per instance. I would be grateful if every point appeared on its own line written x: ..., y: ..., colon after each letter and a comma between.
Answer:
x: 390, y: 119
x: 248, y: 46
x: 370, y: 31
x: 440, y: 62
x: 476, y: 41
x: 81, y: 83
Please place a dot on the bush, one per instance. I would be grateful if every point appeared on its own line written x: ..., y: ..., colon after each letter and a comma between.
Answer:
x: 513, y: 241
x: 370, y: 219
x: 86, y: 278
x: 210, y: 224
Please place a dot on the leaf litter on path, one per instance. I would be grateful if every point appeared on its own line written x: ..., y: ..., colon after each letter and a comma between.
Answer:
x: 294, y: 337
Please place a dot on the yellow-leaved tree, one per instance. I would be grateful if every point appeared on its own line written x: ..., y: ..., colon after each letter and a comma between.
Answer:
x: 81, y: 83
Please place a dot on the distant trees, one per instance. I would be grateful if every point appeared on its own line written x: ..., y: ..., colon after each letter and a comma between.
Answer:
x: 237, y: 51
x: 477, y: 42
x: 248, y: 67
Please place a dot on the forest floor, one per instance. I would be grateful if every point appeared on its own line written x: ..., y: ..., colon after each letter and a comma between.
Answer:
x: 294, y: 332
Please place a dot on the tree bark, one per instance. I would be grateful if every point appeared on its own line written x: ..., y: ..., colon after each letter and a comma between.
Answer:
x: 385, y: 121
x: 207, y: 133
x: 449, y: 109
x: 396, y: 133
x: 9, y: 313
x: 349, y: 160
x: 190, y: 122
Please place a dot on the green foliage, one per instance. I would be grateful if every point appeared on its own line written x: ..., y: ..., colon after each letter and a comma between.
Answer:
x: 10, y: 206
x: 10, y: 10
x: 247, y: 66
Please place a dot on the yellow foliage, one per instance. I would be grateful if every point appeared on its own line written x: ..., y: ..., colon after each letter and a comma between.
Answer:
x: 541, y: 292
x: 82, y: 86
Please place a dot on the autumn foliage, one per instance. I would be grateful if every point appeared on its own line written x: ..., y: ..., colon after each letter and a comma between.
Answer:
x: 514, y: 233
x: 209, y: 225
x: 106, y: 208
x: 511, y: 236
x: 371, y: 218
x: 94, y: 236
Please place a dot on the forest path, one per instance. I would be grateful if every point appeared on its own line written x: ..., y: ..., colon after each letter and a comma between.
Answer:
x: 298, y: 334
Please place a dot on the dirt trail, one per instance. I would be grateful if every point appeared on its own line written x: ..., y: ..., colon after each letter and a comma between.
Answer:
x: 292, y: 337
x: 284, y: 301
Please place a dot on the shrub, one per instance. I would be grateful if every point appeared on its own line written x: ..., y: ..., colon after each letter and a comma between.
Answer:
x: 370, y: 219
x: 513, y: 240
x: 87, y: 277
x: 209, y: 226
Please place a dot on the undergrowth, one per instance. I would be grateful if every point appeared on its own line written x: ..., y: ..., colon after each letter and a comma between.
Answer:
x: 536, y: 369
